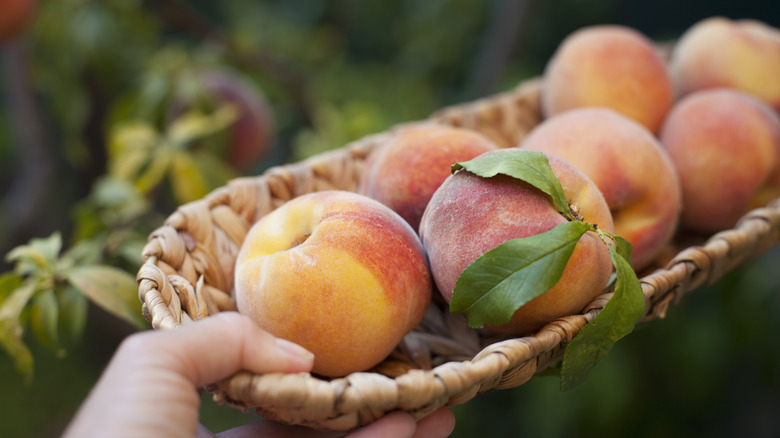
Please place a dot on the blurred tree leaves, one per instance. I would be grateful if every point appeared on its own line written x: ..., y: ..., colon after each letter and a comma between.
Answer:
x: 42, y: 290
x: 131, y: 125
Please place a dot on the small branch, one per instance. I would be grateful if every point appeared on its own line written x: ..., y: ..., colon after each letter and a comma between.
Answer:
x: 498, y: 43
x: 25, y: 200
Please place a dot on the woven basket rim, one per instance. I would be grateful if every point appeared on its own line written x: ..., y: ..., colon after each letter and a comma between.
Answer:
x: 186, y: 275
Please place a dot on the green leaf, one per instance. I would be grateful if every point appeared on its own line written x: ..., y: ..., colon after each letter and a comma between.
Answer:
x: 623, y: 248
x: 11, y: 328
x: 614, y: 321
x: 44, y: 314
x: 73, y: 307
x: 40, y: 253
x: 9, y: 281
x: 16, y: 301
x: 499, y: 282
x: 114, y: 290
x: 11, y: 341
x: 84, y: 252
x: 528, y: 166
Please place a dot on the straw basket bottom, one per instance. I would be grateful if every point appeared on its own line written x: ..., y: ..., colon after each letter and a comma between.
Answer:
x: 188, y: 270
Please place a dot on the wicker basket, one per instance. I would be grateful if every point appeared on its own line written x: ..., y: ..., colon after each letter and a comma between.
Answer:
x: 188, y: 274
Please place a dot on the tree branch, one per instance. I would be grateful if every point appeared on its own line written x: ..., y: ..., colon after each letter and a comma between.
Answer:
x: 498, y: 43
x: 25, y: 200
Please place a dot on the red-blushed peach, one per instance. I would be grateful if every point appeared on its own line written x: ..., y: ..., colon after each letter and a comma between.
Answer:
x: 725, y: 145
x: 412, y: 163
x: 629, y: 166
x: 470, y: 215
x: 337, y: 273
x: 611, y: 66
x: 252, y: 134
x: 15, y: 16
x: 719, y: 52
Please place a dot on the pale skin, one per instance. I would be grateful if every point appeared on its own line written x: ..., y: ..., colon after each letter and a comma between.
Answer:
x: 150, y: 386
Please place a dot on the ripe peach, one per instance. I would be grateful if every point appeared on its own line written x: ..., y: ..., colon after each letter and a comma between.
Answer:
x: 612, y: 66
x: 252, y: 134
x: 338, y: 273
x: 725, y: 145
x: 469, y: 215
x: 413, y: 162
x: 719, y: 52
x: 15, y: 15
x: 629, y: 166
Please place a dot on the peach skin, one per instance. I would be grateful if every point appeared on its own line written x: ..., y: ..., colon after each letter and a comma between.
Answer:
x: 629, y: 166
x: 719, y: 52
x: 407, y: 168
x: 611, y: 66
x: 470, y: 215
x: 338, y: 273
x: 725, y: 145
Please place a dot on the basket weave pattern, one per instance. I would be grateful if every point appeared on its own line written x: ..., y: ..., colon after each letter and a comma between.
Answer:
x: 188, y: 274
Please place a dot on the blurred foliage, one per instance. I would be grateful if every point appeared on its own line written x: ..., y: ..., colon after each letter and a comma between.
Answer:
x: 107, y: 79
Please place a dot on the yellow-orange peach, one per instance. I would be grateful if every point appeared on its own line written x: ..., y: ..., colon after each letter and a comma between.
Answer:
x: 611, y: 66
x: 470, y: 215
x: 629, y: 166
x: 725, y: 145
x: 338, y: 273
x: 412, y: 163
x: 720, y: 52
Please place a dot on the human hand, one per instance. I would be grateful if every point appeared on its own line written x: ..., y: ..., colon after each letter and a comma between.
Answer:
x: 150, y: 387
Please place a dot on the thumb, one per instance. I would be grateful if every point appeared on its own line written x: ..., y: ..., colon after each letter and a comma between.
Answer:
x: 216, y: 347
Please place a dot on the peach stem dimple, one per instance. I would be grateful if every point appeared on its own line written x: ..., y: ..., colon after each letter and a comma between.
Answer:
x: 299, y: 240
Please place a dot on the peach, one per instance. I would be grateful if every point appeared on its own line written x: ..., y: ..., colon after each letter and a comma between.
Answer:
x: 250, y: 138
x: 612, y: 66
x: 15, y: 17
x: 337, y: 273
x: 719, y: 52
x: 725, y: 145
x: 470, y: 215
x: 412, y: 163
x: 629, y: 166
x: 252, y: 134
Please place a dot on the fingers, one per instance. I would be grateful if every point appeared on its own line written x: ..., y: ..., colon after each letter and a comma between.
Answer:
x: 272, y: 429
x: 393, y: 425
x: 218, y: 346
x: 439, y: 424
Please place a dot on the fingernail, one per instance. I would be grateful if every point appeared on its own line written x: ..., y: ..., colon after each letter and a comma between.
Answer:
x: 294, y: 350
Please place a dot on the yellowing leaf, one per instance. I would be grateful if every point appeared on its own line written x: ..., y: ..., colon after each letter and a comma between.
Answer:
x: 11, y: 341
x: 9, y: 281
x: 153, y: 174
x: 194, y: 125
x: 187, y: 180
x: 11, y: 329
x: 130, y: 147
